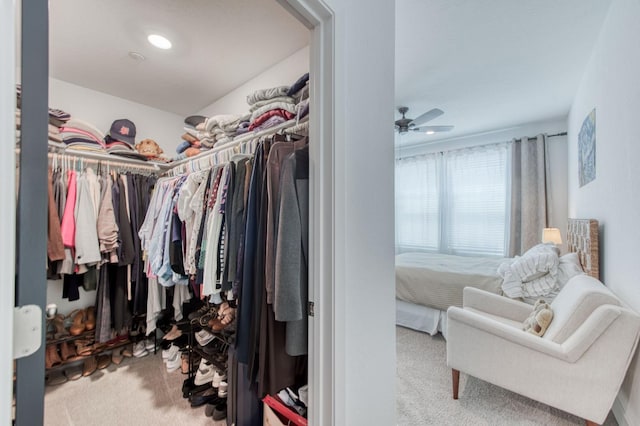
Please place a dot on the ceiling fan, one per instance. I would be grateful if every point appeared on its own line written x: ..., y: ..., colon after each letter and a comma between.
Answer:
x: 405, y: 125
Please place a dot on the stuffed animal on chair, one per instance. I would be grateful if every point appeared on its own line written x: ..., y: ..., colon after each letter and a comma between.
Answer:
x: 539, y: 320
x: 149, y: 148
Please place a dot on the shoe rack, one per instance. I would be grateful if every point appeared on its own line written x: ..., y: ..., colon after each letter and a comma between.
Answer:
x: 67, y: 345
x: 98, y: 349
x: 219, y: 357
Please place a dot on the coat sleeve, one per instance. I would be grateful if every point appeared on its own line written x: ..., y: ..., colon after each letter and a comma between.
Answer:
x: 288, y: 262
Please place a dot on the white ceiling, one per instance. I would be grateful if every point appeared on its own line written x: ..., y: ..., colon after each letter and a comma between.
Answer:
x: 217, y: 46
x: 491, y: 64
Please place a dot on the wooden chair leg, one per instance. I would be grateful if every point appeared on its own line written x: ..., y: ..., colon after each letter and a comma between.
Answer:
x: 590, y: 423
x: 455, y: 375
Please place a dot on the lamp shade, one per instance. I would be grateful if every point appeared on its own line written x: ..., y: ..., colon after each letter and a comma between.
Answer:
x: 551, y: 235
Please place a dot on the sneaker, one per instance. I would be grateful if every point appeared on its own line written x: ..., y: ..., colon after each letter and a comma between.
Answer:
x: 150, y: 344
x: 169, y: 353
x: 139, y: 350
x: 222, y: 390
x: 200, y: 312
x: 204, y: 374
x: 209, y: 315
x: 174, y: 363
x: 204, y: 337
x: 207, y: 397
x: 218, y: 378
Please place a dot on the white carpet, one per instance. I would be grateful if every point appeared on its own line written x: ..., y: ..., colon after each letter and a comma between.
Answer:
x: 424, y: 392
x: 137, y: 392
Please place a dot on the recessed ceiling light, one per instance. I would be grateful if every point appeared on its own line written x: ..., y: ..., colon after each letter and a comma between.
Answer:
x: 159, y: 41
x: 430, y: 132
x: 137, y: 56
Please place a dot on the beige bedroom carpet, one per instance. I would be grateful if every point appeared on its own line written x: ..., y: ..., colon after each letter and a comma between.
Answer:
x: 424, y: 392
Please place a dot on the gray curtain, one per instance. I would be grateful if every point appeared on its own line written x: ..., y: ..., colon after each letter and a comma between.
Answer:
x: 528, y: 193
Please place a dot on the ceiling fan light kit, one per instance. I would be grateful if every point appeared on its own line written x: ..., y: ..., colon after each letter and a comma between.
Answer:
x: 405, y: 124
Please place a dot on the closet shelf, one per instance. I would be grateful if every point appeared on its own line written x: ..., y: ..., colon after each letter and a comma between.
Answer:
x: 236, y: 142
x: 84, y: 335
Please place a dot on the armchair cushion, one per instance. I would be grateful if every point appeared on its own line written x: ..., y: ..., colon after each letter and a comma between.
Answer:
x: 574, y: 304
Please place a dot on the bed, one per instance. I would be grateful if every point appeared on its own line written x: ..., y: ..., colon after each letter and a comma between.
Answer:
x: 428, y: 283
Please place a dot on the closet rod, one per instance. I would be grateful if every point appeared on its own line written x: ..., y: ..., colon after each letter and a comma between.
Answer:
x: 108, y: 162
x: 237, y: 141
x: 57, y: 148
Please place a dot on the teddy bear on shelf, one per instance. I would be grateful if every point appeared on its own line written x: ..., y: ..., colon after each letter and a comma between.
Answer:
x: 539, y: 320
x: 150, y: 149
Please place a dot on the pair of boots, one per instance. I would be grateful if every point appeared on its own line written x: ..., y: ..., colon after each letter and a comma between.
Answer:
x: 56, y: 354
x: 83, y: 319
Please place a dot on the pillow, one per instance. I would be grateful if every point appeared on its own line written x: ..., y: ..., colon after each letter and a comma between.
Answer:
x: 539, y: 320
x: 575, y: 303
x: 532, y: 275
x: 568, y: 267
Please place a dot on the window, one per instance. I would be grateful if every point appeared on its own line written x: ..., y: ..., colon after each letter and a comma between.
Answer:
x: 453, y: 202
x: 418, y: 203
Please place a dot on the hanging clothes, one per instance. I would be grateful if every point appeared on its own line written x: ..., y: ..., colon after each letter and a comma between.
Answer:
x: 55, y: 245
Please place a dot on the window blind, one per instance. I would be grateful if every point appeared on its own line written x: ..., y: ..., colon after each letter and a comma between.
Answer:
x: 453, y: 202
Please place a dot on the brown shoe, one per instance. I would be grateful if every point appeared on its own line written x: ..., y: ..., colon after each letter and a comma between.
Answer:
x: 91, y: 318
x: 58, y: 324
x: 74, y: 372
x: 127, y: 352
x: 84, y: 347
x: 90, y: 365
x: 51, y: 357
x: 103, y: 361
x: 67, y: 351
x: 55, y: 378
x: 116, y: 356
x: 78, y: 326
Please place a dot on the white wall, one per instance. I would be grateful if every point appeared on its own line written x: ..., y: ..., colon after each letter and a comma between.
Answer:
x: 101, y: 109
x: 283, y: 73
x: 54, y: 295
x: 557, y: 158
x: 364, y: 308
x: 610, y: 84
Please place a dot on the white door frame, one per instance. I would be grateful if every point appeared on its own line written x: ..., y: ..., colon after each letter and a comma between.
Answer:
x: 8, y: 204
x: 316, y: 15
x: 319, y: 18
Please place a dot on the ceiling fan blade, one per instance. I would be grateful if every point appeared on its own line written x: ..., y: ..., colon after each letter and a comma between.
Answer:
x: 427, y: 116
x: 434, y: 129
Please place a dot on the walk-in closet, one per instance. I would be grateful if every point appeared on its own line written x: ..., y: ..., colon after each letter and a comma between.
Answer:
x: 178, y: 213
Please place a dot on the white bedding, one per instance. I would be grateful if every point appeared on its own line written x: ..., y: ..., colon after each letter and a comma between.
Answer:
x: 437, y: 280
x: 421, y: 318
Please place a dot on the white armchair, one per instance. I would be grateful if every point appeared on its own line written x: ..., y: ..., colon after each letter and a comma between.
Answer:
x: 577, y: 366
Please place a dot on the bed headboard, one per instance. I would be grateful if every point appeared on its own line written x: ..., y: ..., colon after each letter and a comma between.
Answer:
x: 582, y: 238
